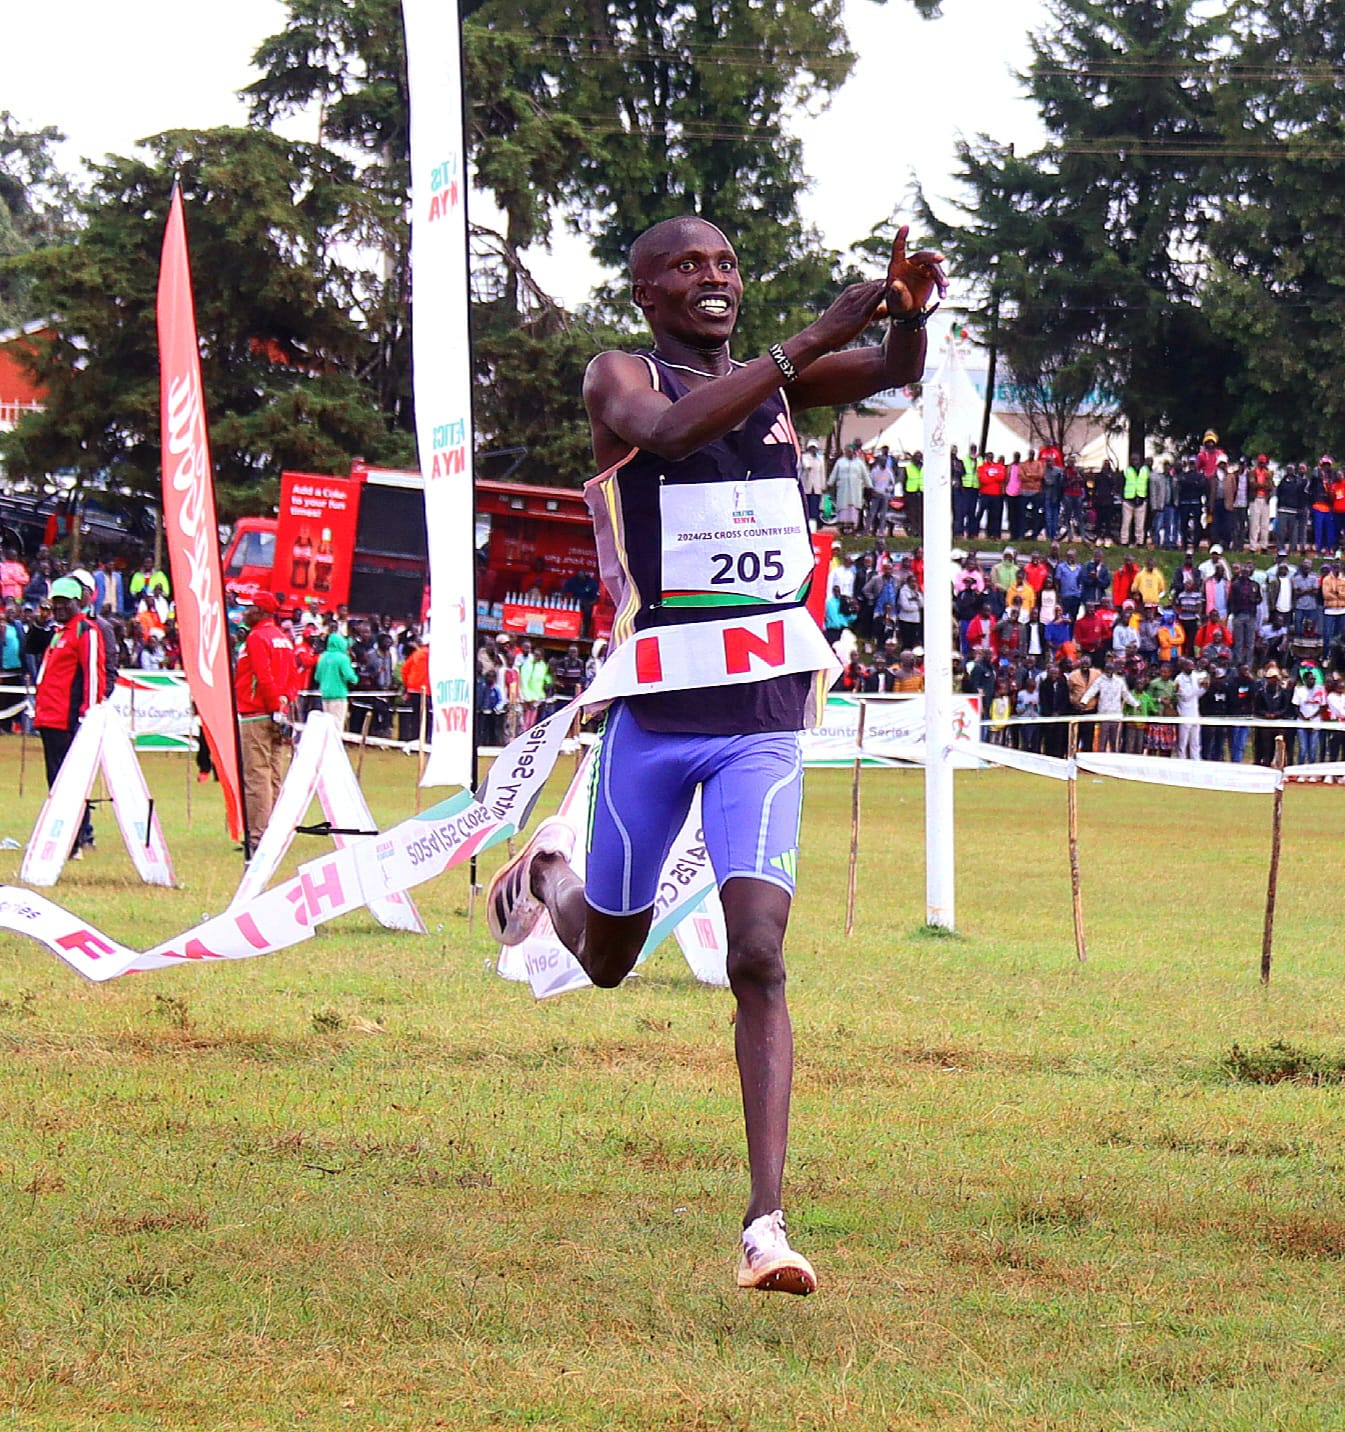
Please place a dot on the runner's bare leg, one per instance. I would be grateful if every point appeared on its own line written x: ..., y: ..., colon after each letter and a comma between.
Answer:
x: 606, y: 946
x: 756, y: 913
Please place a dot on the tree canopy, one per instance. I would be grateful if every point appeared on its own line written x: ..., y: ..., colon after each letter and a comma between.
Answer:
x: 606, y: 117
x: 1088, y: 251
x: 269, y: 224
x: 36, y: 210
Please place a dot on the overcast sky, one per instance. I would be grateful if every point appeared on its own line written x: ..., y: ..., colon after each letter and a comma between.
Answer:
x: 107, y: 75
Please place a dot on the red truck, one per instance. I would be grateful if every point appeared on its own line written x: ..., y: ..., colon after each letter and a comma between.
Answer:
x: 359, y: 542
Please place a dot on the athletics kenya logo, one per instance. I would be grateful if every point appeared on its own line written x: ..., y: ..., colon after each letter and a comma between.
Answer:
x: 187, y: 468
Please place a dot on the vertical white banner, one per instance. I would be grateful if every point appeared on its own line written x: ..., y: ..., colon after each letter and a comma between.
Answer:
x: 442, y: 372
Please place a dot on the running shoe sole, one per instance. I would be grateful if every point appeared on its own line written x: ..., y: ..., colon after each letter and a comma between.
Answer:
x: 512, y: 910
x: 793, y: 1274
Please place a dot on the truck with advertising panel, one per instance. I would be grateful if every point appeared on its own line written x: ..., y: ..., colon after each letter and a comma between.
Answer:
x: 360, y: 542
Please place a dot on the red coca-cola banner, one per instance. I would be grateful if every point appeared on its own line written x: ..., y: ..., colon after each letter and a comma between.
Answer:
x: 315, y: 539
x: 189, y: 516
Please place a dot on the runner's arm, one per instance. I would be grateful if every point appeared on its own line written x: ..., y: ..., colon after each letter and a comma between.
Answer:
x: 621, y: 401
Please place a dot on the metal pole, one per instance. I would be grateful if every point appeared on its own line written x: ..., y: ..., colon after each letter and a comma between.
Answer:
x: 940, y: 880
x: 420, y: 756
x: 364, y: 739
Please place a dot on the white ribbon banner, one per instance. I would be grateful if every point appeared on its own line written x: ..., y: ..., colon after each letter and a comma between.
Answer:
x: 334, y: 884
x: 1193, y: 775
x: 687, y: 905
x: 1028, y: 761
x: 675, y: 658
x: 321, y: 768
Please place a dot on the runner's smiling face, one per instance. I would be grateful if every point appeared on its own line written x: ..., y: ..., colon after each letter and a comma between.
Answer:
x: 688, y: 285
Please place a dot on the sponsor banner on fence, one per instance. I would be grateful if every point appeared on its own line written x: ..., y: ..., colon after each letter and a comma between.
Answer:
x: 156, y: 707
x: 894, y: 730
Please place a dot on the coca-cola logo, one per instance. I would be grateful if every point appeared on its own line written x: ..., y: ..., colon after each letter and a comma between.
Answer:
x: 187, y: 468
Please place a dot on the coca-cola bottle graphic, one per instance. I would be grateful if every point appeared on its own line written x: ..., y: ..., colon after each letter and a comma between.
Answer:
x: 322, y: 563
x: 301, y: 559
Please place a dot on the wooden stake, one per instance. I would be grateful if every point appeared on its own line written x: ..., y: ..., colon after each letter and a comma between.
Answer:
x: 1075, y: 882
x: 420, y: 758
x: 191, y: 774
x: 854, y: 828
x: 23, y: 755
x: 1273, y: 881
x: 364, y: 739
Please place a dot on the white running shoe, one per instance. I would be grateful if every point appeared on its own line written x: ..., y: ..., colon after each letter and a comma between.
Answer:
x: 769, y: 1264
x: 511, y: 908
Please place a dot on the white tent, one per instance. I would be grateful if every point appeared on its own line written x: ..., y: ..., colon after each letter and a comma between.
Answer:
x: 1106, y: 446
x: 965, y: 414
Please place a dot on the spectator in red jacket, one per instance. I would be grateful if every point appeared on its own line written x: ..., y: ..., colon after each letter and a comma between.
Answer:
x: 264, y: 684
x: 72, y: 678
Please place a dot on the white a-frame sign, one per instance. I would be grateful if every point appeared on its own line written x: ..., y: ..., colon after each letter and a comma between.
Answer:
x: 101, y: 741
x: 321, y: 768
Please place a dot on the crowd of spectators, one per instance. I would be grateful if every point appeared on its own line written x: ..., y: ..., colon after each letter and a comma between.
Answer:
x: 1060, y: 631
x: 1243, y: 502
x: 519, y: 684
x: 369, y: 664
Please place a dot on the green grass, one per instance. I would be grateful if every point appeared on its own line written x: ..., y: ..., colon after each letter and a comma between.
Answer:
x: 367, y: 1184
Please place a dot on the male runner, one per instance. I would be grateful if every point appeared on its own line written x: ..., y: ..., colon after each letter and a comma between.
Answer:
x: 689, y: 442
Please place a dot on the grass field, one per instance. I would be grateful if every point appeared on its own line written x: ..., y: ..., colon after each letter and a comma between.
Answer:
x: 368, y: 1184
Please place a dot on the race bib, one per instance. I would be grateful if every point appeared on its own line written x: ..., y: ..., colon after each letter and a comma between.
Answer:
x: 734, y: 543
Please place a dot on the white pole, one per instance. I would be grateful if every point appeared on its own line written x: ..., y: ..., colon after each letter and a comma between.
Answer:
x: 938, y: 539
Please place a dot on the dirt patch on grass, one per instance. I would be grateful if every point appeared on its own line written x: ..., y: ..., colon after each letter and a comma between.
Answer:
x: 1068, y: 1211
x: 149, y: 1220
x: 1028, y: 1265
x: 1303, y: 1237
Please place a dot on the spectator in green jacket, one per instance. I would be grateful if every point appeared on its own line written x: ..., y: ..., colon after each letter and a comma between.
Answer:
x: 336, y: 677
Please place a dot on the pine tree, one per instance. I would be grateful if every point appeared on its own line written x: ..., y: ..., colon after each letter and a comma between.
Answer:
x: 1088, y: 250
x: 1277, y: 291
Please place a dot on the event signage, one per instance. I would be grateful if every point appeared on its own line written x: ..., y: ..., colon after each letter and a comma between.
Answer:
x: 156, y: 707
x: 101, y: 743
x: 190, y: 527
x: 315, y: 538
x: 320, y: 767
x: 442, y: 374
x: 412, y: 852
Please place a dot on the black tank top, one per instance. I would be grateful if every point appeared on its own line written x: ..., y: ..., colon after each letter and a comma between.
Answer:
x: 629, y: 530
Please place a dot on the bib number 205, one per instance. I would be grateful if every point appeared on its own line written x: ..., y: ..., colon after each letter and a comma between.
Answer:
x: 732, y: 568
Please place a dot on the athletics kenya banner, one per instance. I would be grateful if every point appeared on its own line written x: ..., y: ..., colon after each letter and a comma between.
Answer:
x: 442, y: 373
x: 189, y: 516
